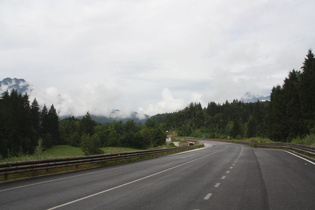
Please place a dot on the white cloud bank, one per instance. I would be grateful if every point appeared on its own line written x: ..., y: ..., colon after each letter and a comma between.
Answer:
x: 151, y: 56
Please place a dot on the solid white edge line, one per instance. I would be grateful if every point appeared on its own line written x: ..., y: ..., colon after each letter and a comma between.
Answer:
x: 192, y: 150
x: 134, y: 181
x: 300, y: 157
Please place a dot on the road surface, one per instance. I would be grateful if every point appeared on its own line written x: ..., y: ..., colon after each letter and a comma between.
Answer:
x: 219, y: 176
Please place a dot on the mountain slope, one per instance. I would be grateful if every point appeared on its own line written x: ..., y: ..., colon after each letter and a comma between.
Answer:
x: 8, y: 84
x: 250, y: 97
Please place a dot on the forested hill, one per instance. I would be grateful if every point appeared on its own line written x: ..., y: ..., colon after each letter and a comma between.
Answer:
x: 289, y: 114
x: 236, y: 119
x: 22, y: 124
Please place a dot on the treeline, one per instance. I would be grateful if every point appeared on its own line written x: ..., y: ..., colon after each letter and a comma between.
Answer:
x: 292, y: 107
x: 289, y: 114
x: 90, y: 135
x: 23, y: 124
x: 236, y: 119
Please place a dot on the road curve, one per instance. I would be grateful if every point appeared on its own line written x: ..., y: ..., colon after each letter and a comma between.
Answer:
x: 219, y: 176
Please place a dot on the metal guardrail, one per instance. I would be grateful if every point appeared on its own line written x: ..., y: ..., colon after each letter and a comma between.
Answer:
x: 26, y: 166
x: 297, y: 147
x: 302, y: 148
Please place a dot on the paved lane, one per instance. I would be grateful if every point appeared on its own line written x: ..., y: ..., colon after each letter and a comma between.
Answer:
x: 220, y: 176
x: 267, y: 179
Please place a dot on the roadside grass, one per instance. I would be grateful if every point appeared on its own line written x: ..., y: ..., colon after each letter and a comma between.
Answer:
x: 64, y: 151
x: 257, y: 140
x: 35, y: 173
x: 58, y: 151
x: 113, y: 150
x: 308, y: 140
x: 67, y: 151
x: 66, y: 169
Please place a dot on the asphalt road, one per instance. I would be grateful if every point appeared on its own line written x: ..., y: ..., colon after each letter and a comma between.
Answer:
x: 220, y: 176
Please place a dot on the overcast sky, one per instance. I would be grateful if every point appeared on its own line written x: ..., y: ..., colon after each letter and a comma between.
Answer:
x: 151, y: 56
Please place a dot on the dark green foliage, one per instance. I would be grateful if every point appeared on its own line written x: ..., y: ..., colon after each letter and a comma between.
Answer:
x: 22, y: 125
x: 307, y: 90
x: 53, y: 125
x: 292, y: 108
x: 50, y: 127
x: 251, y: 128
x: 295, y: 124
x: 129, y: 134
x: 236, y: 131
x: 289, y: 114
x: 277, y: 115
x: 17, y: 132
x: 69, y: 131
x: 91, y: 144
x: 158, y: 136
x: 87, y: 125
x: 216, y: 120
x: 35, y: 117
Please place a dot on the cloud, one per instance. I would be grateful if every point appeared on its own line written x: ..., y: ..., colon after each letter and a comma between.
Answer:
x: 104, y: 55
x: 167, y: 104
x: 95, y: 98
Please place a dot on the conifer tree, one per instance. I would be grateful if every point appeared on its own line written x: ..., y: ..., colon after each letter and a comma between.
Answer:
x: 87, y: 125
x: 277, y: 115
x: 44, y: 124
x: 53, y: 125
x: 295, y: 122
x: 307, y: 90
x: 35, y: 117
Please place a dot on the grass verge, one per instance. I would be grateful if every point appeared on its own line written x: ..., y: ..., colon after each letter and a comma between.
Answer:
x: 64, y: 151
x: 34, y: 173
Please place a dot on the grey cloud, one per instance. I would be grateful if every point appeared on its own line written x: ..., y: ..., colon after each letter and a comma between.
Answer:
x: 141, y: 55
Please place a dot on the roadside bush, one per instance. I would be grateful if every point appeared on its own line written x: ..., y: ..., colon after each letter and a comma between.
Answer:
x: 308, y: 140
x: 91, y: 144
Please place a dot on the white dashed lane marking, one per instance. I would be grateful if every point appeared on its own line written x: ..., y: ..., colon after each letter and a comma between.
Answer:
x: 217, y: 185
x: 207, y: 196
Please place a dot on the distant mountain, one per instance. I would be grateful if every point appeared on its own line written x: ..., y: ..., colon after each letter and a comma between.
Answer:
x: 22, y: 86
x: 105, y: 120
x: 250, y: 97
x: 8, y: 84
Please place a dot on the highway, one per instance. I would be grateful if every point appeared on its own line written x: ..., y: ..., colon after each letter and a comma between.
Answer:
x: 218, y: 176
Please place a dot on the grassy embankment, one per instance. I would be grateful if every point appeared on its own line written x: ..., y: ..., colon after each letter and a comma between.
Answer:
x: 308, y: 140
x: 65, y: 151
